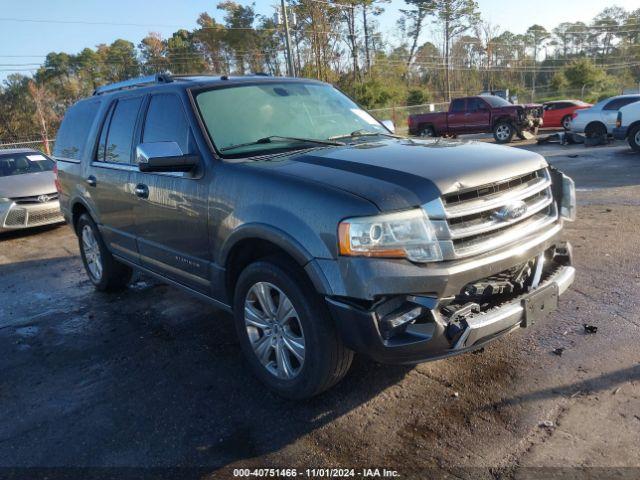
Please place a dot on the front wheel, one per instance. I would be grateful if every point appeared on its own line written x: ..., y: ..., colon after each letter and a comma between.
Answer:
x: 634, y: 138
x: 104, y: 271
x: 286, y: 331
x: 503, y: 132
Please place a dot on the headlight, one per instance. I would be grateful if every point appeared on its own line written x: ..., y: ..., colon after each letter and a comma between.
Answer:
x: 568, y: 203
x: 407, y: 234
x: 4, y: 200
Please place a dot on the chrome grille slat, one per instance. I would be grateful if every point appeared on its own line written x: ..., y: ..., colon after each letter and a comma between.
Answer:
x: 467, y: 222
x: 494, y: 224
x: 462, y: 209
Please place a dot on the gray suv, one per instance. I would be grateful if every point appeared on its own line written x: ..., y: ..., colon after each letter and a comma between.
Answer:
x: 324, y: 233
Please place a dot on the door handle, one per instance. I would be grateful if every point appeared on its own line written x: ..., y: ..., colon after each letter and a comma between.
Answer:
x: 91, y: 181
x: 142, y: 191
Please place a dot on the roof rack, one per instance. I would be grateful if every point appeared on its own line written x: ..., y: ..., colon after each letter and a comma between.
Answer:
x: 134, y: 83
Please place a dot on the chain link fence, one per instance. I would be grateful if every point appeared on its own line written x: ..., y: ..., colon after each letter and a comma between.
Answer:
x: 400, y: 115
x: 35, y: 144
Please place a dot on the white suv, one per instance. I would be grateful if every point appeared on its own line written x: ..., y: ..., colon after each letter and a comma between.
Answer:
x: 628, y: 125
x: 601, y: 118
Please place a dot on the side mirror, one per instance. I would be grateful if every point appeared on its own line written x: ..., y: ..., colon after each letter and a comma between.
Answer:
x: 164, y: 157
x: 389, y: 125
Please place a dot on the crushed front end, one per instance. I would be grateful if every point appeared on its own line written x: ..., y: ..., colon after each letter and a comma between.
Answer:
x: 499, y: 272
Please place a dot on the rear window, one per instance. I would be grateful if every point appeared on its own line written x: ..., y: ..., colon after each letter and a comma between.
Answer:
x: 618, y: 103
x: 73, y: 133
x: 21, y: 163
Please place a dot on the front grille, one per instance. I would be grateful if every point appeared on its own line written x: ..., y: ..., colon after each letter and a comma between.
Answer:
x: 483, y: 218
x: 19, y: 217
x: 16, y: 217
x: 40, y: 217
x: 36, y: 199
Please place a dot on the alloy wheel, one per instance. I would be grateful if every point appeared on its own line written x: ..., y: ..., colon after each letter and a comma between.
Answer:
x: 566, y: 124
x: 503, y: 131
x: 636, y: 138
x: 91, y: 251
x: 274, y: 330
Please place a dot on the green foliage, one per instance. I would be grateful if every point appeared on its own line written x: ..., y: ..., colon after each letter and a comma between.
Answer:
x: 417, y: 96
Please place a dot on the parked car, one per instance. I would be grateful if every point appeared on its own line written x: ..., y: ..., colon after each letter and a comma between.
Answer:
x: 628, y: 125
x: 28, y: 196
x: 559, y: 113
x: 600, y: 119
x: 481, y: 114
x: 282, y: 201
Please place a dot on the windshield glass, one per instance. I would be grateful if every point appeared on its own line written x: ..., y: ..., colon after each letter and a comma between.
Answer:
x: 496, y: 101
x: 237, y: 116
x: 19, y: 164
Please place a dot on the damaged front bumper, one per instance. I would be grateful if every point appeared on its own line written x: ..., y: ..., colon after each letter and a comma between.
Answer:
x: 433, y: 330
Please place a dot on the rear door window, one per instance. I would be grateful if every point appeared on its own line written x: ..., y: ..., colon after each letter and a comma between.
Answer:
x: 457, y: 106
x: 476, y: 104
x: 73, y: 133
x: 117, y: 141
x: 166, y: 122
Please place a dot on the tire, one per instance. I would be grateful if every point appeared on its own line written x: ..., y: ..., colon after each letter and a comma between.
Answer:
x: 566, y: 123
x: 283, y: 366
x: 595, y: 129
x: 634, y: 138
x: 104, y: 271
x: 427, y: 131
x: 503, y: 132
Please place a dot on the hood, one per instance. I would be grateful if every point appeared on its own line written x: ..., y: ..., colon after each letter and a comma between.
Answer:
x: 27, y: 185
x: 400, y: 173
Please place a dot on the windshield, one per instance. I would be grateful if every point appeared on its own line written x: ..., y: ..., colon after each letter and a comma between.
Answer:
x: 19, y: 164
x: 240, y: 118
x: 496, y: 101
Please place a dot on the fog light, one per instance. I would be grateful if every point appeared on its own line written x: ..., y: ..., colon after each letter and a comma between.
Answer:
x: 394, y: 322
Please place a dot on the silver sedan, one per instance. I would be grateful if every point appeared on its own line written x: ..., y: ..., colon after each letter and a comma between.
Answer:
x: 28, y: 196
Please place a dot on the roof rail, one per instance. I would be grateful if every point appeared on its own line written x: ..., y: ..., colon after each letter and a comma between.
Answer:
x: 134, y: 83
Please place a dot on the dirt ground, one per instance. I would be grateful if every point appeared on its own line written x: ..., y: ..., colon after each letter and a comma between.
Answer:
x: 154, y: 378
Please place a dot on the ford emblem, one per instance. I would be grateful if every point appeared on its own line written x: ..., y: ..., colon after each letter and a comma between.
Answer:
x: 511, y: 211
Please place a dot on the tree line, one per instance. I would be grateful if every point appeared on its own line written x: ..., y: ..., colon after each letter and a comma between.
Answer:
x: 340, y: 41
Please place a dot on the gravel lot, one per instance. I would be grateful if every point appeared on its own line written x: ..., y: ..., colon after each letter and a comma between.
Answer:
x: 154, y: 378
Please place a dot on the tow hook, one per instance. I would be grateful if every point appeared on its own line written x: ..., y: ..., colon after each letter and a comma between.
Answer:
x: 457, y: 318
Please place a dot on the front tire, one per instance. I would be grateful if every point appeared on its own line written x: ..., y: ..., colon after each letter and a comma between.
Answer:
x: 503, y: 132
x: 634, y: 138
x: 104, y: 271
x: 286, y: 331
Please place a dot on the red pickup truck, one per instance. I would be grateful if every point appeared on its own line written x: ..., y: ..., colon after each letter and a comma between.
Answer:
x: 482, y: 114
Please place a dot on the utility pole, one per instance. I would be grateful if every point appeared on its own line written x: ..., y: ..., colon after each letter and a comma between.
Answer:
x: 290, y: 69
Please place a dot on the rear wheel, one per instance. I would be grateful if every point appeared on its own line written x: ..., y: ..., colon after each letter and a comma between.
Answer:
x: 503, y: 132
x: 427, y: 131
x: 566, y: 122
x: 286, y: 331
x: 634, y: 138
x: 104, y: 271
x: 595, y: 130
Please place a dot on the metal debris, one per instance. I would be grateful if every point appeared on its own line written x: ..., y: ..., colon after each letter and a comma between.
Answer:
x: 589, y: 328
x: 558, y: 351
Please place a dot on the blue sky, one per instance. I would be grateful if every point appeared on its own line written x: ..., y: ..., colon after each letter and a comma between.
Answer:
x: 23, y: 42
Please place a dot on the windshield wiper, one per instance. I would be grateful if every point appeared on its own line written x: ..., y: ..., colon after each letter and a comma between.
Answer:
x: 279, y: 138
x: 364, y: 133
